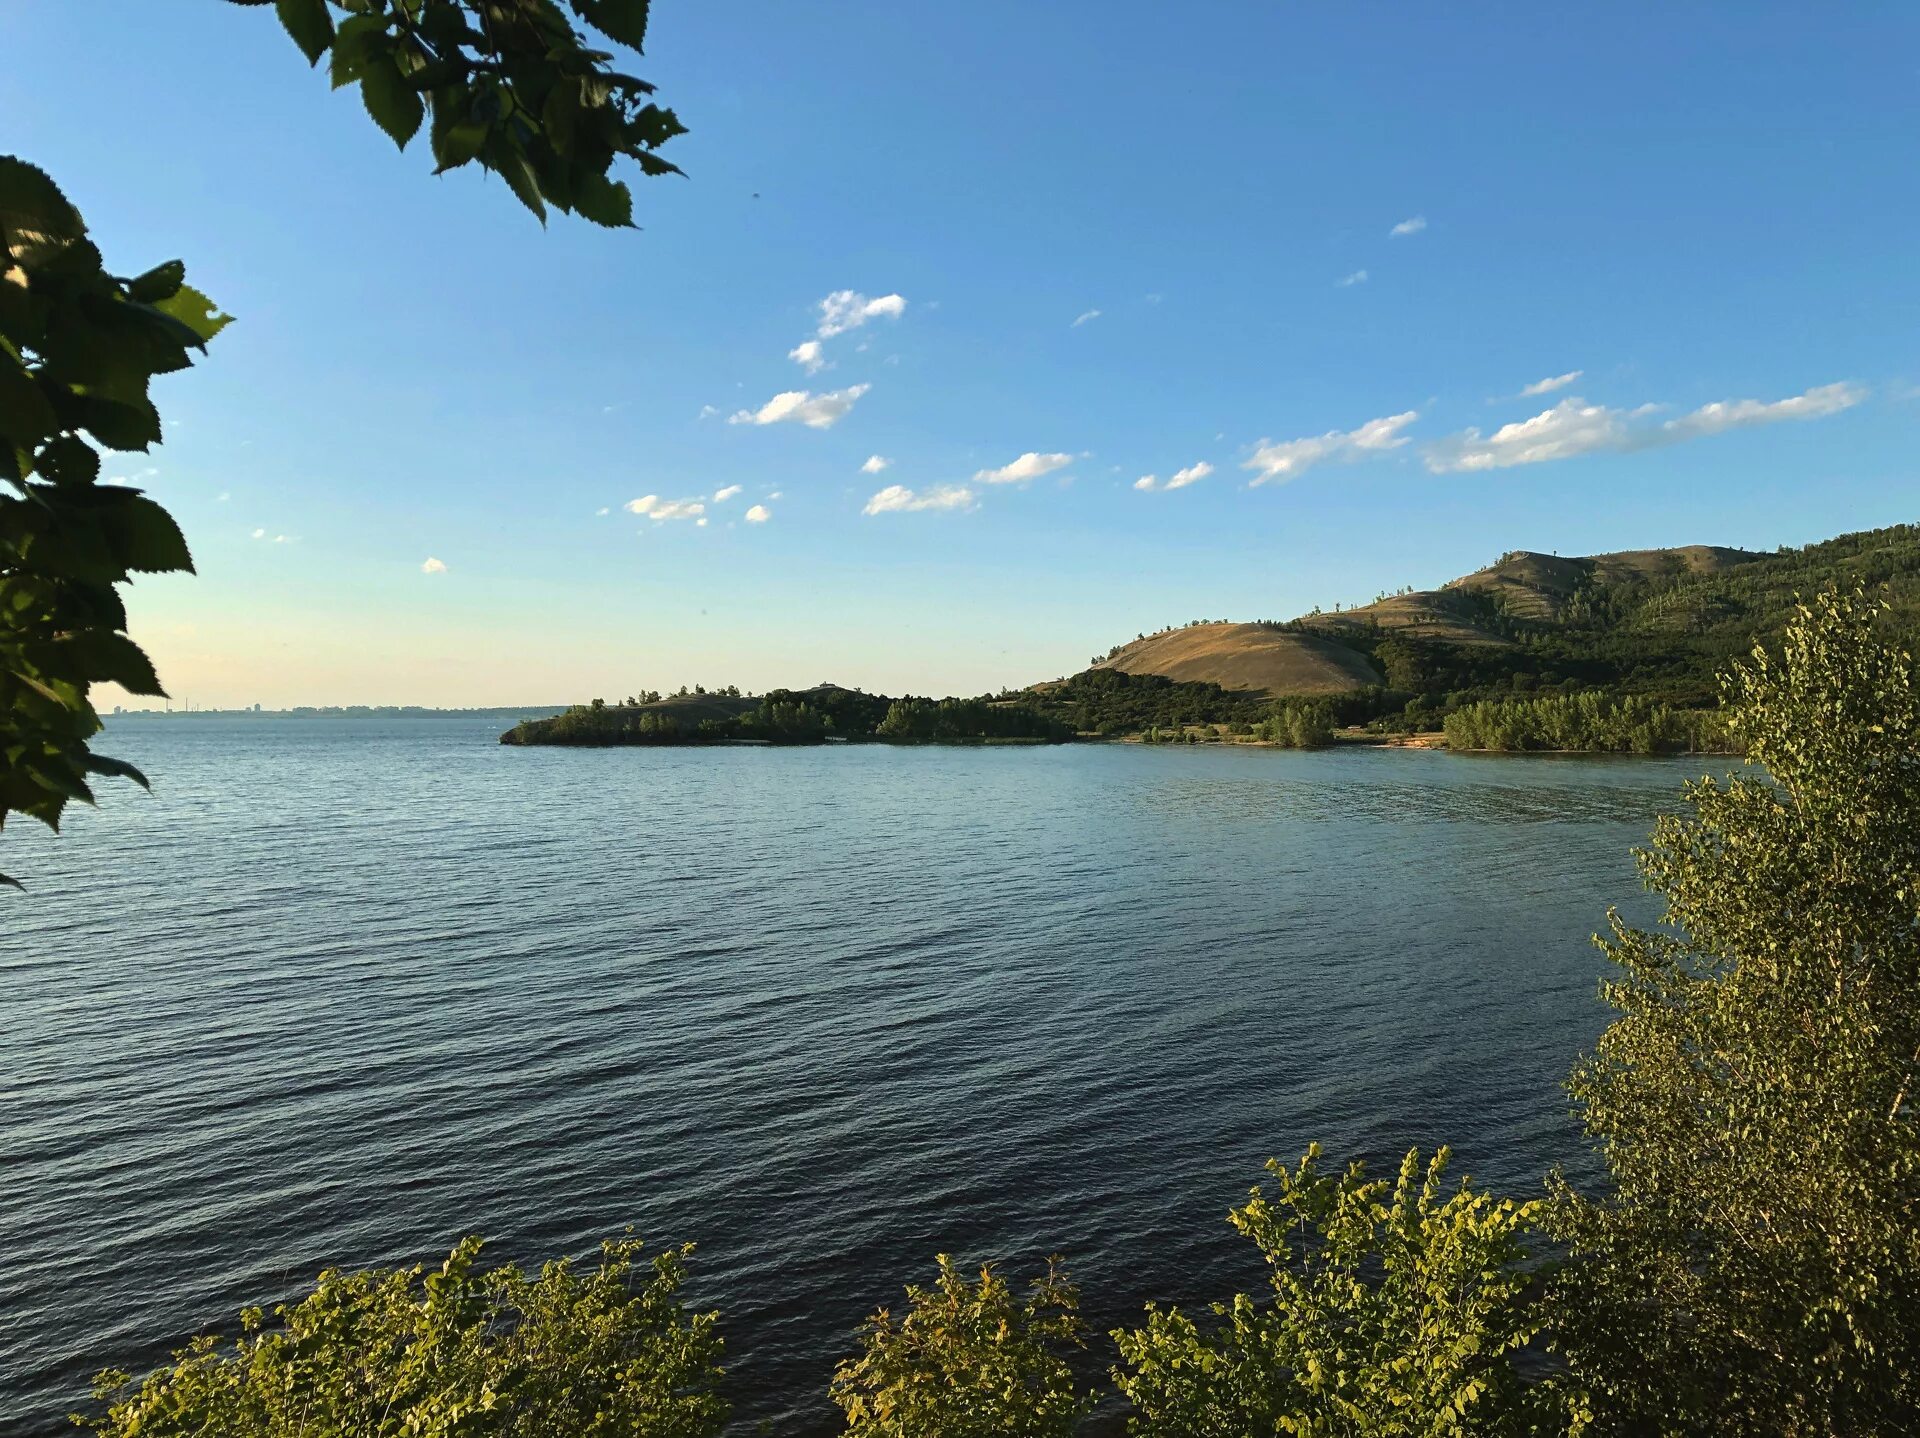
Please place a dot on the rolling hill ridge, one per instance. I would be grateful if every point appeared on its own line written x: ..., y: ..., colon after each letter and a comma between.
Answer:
x: 1658, y: 622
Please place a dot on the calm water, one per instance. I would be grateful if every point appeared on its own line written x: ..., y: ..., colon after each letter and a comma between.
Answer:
x: 343, y: 991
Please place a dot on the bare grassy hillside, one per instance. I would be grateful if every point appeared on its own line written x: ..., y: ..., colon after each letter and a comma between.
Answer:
x: 1247, y: 656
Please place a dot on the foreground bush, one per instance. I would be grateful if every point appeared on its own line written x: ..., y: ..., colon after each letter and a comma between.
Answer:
x: 1759, y: 1248
x: 968, y: 1360
x: 1391, y: 1309
x: 366, y: 1355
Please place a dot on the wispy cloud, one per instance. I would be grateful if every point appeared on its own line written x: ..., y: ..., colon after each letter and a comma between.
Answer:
x: 433, y: 566
x: 603, y: 511
x: 272, y: 538
x: 1573, y: 428
x: 898, y: 499
x: 759, y: 514
x: 1179, y: 479
x: 1358, y: 277
x: 708, y: 411
x: 807, y: 355
x: 658, y: 509
x: 797, y: 406
x: 845, y: 310
x: 1028, y: 466
x: 1549, y: 385
x: 1277, y: 461
x: 1089, y: 315
x: 875, y: 463
x: 1411, y: 226
x: 721, y: 496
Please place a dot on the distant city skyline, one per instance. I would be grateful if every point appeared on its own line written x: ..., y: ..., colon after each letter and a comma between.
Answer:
x: 977, y: 341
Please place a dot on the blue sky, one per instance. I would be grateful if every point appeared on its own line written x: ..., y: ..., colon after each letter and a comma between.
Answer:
x: 1705, y: 215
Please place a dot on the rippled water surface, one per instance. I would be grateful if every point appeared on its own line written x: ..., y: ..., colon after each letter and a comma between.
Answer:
x: 344, y: 990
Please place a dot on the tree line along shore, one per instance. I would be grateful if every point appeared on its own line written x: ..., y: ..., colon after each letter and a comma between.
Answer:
x: 1536, y: 653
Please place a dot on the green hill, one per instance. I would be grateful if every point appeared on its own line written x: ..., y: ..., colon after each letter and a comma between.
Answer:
x: 1656, y: 624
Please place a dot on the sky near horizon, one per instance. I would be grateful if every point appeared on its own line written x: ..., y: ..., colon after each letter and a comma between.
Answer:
x: 978, y: 339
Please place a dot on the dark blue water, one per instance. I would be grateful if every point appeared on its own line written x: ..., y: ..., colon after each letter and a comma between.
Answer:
x: 342, y: 991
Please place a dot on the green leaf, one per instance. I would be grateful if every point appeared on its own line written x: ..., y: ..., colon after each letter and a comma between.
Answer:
x: 310, y: 25
x: 147, y: 538
x: 460, y: 145
x: 111, y: 658
x: 623, y: 21
x: 121, y: 424
x: 70, y: 460
x: 162, y: 282
x: 391, y: 100
x: 195, y: 311
x: 605, y: 202
x: 512, y: 167
x: 29, y: 200
x: 25, y: 414
x: 118, y: 768
x: 363, y: 42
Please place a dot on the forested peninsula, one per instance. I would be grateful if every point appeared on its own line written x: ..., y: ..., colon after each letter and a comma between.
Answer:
x: 1609, y: 653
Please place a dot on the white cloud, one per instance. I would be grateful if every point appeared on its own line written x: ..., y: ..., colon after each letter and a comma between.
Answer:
x: 273, y: 538
x: 222, y: 497
x: 807, y: 354
x: 701, y: 522
x: 1179, y: 479
x: 603, y: 510
x: 776, y: 495
x: 657, y: 509
x: 1723, y: 415
x: 898, y: 499
x: 845, y: 310
x: 875, y: 463
x: 797, y: 406
x: 433, y: 566
x: 259, y: 534
x: 1089, y: 315
x: 721, y: 496
x: 1358, y: 277
x: 708, y: 411
x: 759, y: 514
x: 1549, y: 385
x: 1573, y: 428
x: 1409, y: 227
x: 1276, y: 462
x: 1028, y: 466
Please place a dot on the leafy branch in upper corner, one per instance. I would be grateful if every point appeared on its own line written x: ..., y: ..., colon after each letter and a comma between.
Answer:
x: 511, y: 84
x: 78, y: 349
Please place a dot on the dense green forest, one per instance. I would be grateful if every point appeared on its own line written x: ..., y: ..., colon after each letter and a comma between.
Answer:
x: 788, y: 716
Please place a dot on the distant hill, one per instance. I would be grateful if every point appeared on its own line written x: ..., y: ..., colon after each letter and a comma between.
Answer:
x: 1659, y: 622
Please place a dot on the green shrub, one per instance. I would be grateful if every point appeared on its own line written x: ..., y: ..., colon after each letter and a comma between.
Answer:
x: 967, y: 1360
x: 1391, y: 1309
x: 458, y: 1352
x: 1755, y: 1100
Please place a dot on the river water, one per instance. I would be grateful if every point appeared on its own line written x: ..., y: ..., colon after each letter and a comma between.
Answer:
x: 343, y: 990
